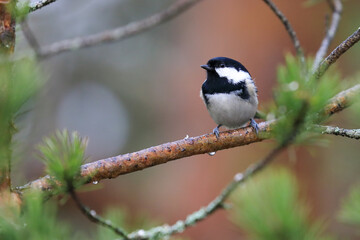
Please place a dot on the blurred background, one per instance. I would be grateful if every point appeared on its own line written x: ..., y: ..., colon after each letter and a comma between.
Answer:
x: 144, y: 91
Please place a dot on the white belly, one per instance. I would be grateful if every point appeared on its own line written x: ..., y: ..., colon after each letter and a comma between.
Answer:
x: 230, y: 110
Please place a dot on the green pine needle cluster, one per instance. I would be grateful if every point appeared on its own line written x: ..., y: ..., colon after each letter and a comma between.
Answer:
x: 18, y: 9
x: 37, y: 220
x: 63, y: 155
x: 21, y: 10
x: 350, y: 209
x: 296, y: 89
x: 19, y: 80
x: 269, y: 207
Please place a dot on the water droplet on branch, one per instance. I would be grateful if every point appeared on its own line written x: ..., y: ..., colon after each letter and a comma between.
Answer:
x: 212, y: 153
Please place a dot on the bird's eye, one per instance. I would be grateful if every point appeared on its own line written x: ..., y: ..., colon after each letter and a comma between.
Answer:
x: 222, y: 65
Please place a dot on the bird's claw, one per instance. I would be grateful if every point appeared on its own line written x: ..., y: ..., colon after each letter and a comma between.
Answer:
x: 254, y: 125
x: 216, y: 131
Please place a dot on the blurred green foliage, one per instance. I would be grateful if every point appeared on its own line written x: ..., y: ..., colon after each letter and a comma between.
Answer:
x: 310, y: 3
x: 63, y: 155
x: 269, y: 207
x: 350, y: 209
x: 19, y: 80
x: 293, y: 91
x: 36, y: 220
x: 20, y: 9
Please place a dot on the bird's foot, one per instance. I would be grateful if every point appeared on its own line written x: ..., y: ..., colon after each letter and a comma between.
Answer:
x: 254, y: 125
x: 216, y: 131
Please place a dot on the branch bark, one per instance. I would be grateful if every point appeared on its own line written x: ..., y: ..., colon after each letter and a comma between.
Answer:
x: 123, y: 164
x: 120, y: 33
x: 350, y: 133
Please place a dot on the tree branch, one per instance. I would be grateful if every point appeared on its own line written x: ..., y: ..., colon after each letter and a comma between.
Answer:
x: 120, y: 33
x: 291, y: 32
x: 39, y: 4
x: 350, y: 133
x: 336, y: 7
x: 114, y: 166
x: 337, y: 52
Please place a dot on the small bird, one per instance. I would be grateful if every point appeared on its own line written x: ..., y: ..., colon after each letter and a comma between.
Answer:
x: 229, y: 93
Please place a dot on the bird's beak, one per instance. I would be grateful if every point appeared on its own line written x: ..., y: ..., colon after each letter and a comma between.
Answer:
x: 206, y: 67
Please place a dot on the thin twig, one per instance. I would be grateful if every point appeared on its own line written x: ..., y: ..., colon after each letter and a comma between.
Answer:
x: 30, y: 37
x: 120, y: 33
x: 337, y: 52
x: 92, y: 216
x: 218, y: 202
x: 336, y: 7
x: 39, y: 4
x: 214, y: 205
x: 291, y: 32
x: 123, y: 164
x: 350, y: 133
x: 204, y: 212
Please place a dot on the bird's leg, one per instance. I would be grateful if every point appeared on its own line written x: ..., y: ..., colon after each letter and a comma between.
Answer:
x: 216, y: 131
x: 254, y: 125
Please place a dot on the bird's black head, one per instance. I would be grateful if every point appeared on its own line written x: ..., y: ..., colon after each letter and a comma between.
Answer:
x: 223, y: 62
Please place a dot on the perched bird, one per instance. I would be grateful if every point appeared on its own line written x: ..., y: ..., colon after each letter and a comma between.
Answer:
x: 229, y: 94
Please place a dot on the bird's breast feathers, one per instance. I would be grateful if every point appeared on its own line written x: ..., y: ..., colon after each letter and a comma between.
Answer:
x: 230, y: 110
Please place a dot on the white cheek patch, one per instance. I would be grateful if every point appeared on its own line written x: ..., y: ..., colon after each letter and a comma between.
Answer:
x: 234, y: 76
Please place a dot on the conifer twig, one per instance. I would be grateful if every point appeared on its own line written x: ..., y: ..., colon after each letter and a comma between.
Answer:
x: 30, y: 37
x: 349, y: 133
x: 94, y: 217
x: 337, y: 52
x: 120, y: 33
x: 291, y: 32
x: 39, y: 4
x: 336, y: 7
